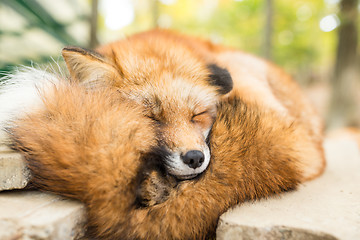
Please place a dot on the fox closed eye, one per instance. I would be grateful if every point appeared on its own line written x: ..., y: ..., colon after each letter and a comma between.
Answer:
x: 198, y: 117
x: 152, y: 117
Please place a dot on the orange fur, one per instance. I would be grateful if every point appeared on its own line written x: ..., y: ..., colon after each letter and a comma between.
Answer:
x: 72, y: 137
x: 150, y: 63
x: 92, y: 139
x: 87, y: 145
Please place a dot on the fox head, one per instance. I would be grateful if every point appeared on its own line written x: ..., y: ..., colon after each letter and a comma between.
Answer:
x: 178, y: 89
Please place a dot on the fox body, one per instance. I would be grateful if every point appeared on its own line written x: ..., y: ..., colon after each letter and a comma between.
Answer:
x: 100, y: 149
x: 180, y: 79
x: 140, y: 115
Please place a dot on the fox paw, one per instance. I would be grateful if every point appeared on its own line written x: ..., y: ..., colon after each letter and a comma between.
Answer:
x: 154, y: 188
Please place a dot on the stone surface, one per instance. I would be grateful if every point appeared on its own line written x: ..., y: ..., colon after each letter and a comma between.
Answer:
x: 31, y: 215
x: 325, y: 208
x: 13, y: 172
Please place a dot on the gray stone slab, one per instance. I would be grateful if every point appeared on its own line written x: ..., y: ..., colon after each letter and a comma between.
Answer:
x: 325, y: 208
x: 13, y: 171
x: 34, y: 215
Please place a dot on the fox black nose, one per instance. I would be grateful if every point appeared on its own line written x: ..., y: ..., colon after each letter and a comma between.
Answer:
x: 193, y: 158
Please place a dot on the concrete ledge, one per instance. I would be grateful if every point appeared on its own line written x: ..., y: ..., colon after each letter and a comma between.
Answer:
x: 41, y: 216
x: 13, y: 171
x: 325, y: 208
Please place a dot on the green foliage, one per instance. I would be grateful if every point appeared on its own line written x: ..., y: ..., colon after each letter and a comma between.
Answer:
x: 37, y: 18
x: 298, y: 43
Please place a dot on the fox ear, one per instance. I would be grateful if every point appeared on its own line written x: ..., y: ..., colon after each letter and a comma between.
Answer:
x: 87, y: 66
x: 221, y: 78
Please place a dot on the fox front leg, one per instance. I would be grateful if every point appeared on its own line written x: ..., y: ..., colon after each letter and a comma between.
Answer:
x: 154, y: 188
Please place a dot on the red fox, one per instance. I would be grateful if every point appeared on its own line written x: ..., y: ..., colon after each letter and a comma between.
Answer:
x: 160, y: 133
x: 180, y: 79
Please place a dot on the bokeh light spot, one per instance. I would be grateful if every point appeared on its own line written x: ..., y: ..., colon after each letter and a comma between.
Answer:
x: 329, y: 23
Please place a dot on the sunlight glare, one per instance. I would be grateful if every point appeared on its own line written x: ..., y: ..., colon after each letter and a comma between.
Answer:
x: 168, y: 2
x: 329, y: 23
x: 332, y: 2
x: 118, y: 14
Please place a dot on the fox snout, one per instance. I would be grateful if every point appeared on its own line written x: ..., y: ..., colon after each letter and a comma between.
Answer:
x: 189, y: 154
x: 188, y: 164
x: 193, y: 158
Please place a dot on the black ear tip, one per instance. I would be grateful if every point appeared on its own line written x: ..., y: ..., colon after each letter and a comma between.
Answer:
x: 83, y: 51
x: 220, y: 77
x: 76, y: 49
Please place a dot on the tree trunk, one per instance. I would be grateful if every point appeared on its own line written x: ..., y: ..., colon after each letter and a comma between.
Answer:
x: 268, y: 31
x: 155, y: 11
x: 93, y: 24
x: 344, y: 107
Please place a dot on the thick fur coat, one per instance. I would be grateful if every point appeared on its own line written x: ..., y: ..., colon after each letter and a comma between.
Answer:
x: 95, y: 140
x: 93, y: 146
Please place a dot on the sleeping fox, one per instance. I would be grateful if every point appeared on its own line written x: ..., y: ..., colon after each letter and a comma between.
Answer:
x: 99, y: 148
x: 160, y: 133
x: 180, y: 79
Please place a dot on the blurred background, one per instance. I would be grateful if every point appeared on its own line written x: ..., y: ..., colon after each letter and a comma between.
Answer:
x: 314, y: 40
